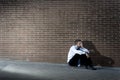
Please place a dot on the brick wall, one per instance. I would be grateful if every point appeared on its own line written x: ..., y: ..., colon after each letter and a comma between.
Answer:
x: 44, y: 30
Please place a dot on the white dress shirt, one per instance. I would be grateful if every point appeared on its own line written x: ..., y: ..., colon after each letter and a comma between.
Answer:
x: 73, y: 50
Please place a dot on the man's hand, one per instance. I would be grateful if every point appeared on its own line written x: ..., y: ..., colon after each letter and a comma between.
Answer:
x: 81, y: 45
x: 87, y: 55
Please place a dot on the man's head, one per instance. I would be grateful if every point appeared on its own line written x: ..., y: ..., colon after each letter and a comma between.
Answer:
x: 78, y: 43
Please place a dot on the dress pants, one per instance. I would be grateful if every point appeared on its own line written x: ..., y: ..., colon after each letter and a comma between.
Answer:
x: 83, y: 60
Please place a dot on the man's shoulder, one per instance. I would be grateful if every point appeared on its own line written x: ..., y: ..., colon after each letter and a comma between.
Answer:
x: 73, y: 46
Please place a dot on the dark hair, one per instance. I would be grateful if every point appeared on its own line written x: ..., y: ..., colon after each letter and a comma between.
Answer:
x: 77, y: 40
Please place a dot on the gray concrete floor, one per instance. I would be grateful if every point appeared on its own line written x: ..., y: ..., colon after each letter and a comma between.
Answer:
x: 21, y: 70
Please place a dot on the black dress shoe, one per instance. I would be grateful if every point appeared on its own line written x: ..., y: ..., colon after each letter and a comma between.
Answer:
x: 93, y: 68
x: 86, y: 67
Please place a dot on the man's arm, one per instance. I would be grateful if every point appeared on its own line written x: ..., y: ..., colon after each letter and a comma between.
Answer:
x: 86, y: 51
x: 77, y: 51
x: 87, y: 55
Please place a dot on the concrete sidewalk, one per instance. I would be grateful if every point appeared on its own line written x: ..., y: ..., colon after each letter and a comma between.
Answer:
x: 21, y: 70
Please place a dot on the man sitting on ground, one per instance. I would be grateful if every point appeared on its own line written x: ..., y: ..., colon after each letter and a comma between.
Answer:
x: 78, y: 55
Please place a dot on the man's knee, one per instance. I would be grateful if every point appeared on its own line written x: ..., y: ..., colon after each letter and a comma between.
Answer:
x: 77, y: 54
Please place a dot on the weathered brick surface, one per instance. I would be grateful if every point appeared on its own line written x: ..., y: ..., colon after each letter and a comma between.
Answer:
x: 43, y: 30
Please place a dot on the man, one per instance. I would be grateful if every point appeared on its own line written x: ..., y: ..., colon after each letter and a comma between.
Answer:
x: 78, y: 55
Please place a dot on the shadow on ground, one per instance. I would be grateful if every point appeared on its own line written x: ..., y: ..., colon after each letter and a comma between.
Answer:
x: 96, y: 56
